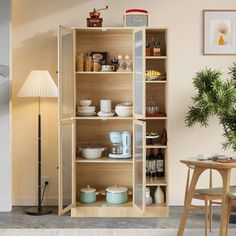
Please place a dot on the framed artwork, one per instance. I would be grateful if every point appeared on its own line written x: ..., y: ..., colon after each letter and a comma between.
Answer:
x: 219, y: 36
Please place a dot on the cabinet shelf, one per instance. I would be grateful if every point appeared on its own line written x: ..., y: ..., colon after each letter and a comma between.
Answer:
x: 102, y: 73
x: 154, y: 205
x: 102, y: 203
x: 160, y: 181
x: 104, y: 160
x: 156, y: 82
x: 155, y: 57
x: 102, y: 118
x: 156, y: 118
x: 156, y: 146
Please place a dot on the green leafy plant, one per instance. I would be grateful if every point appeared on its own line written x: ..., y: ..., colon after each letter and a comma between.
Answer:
x: 215, y: 97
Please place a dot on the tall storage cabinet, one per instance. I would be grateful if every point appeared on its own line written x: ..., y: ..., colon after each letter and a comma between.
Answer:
x: 74, y: 171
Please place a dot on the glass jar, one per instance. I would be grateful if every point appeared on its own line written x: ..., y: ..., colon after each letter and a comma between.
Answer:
x: 80, y: 62
x: 88, y: 63
x: 152, y: 107
x: 96, y: 65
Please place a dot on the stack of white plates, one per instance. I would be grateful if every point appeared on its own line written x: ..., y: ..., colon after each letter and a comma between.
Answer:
x: 86, y: 111
x: 124, y: 109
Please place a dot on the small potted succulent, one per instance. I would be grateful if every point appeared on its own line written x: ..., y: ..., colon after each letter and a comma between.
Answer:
x: 215, y: 97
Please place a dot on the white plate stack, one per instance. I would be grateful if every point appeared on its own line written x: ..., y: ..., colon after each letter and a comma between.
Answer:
x: 85, y: 109
x: 124, y: 109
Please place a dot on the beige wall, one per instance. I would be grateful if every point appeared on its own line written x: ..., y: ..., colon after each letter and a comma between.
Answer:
x: 35, y: 47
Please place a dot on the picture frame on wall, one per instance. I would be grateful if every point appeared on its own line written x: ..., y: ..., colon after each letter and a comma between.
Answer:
x: 219, y: 32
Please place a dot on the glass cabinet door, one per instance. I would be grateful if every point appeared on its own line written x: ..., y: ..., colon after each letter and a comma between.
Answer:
x: 139, y: 164
x: 66, y: 72
x: 139, y: 73
x: 67, y: 173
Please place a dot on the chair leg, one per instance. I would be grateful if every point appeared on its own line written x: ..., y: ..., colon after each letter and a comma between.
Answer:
x: 206, y: 217
x: 228, y: 215
x: 210, y: 216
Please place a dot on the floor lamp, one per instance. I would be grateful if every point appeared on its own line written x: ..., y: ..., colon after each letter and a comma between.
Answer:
x: 38, y: 84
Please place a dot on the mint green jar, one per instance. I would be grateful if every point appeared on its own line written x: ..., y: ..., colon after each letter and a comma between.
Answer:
x: 88, y: 195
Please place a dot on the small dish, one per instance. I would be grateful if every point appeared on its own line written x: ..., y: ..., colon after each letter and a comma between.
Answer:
x: 103, y: 114
x: 86, y: 113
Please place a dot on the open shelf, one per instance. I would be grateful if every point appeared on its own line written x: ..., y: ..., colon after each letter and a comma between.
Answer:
x: 104, y: 160
x: 156, y: 146
x: 103, y: 203
x: 157, y: 205
x: 156, y: 118
x: 155, y: 57
x: 156, y: 82
x: 102, y: 73
x: 159, y: 181
x: 102, y: 118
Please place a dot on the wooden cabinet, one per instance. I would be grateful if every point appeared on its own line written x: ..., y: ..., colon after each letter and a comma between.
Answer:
x: 76, y: 172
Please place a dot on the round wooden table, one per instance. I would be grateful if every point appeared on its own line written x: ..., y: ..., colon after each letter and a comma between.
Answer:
x: 199, y: 167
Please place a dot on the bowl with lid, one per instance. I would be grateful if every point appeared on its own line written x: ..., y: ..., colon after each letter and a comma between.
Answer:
x: 88, y: 194
x: 116, y: 194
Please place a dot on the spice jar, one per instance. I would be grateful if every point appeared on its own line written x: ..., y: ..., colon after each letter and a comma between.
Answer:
x: 88, y: 63
x: 80, y: 62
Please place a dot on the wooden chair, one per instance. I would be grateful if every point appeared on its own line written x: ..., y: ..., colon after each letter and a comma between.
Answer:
x: 208, y: 195
x: 232, y: 201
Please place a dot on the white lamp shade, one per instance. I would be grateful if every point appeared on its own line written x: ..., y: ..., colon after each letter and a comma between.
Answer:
x: 39, y: 83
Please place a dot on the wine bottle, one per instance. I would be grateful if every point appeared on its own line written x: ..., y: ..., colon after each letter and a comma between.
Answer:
x: 147, y: 166
x: 160, y: 163
x: 152, y: 163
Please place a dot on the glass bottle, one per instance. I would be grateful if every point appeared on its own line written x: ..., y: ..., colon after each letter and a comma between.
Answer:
x: 152, y: 163
x: 160, y: 163
x: 152, y: 107
x: 157, y: 49
x: 148, y: 49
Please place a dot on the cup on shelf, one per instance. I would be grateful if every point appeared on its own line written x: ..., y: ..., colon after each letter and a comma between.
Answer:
x: 105, y: 106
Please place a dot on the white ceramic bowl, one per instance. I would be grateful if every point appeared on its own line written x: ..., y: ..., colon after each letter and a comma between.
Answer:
x: 86, y: 109
x: 124, y: 113
x: 124, y: 108
x: 92, y: 153
x: 124, y: 104
x: 85, y: 103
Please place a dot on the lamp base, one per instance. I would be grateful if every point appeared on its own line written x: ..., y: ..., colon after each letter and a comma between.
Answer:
x: 36, y: 212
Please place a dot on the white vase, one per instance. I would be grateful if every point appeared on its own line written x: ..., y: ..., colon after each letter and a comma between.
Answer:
x: 159, y: 197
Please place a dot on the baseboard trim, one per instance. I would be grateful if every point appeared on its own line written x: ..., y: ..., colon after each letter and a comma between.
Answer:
x: 50, y: 201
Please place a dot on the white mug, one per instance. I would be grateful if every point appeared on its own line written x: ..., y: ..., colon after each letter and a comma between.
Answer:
x: 105, y: 106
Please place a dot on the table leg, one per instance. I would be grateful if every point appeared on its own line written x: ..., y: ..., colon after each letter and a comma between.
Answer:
x: 225, y: 174
x: 196, y: 173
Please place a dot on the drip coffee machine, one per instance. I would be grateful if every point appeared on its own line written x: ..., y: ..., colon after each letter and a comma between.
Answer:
x: 120, y: 144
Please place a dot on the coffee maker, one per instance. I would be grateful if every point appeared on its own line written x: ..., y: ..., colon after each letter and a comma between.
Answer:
x: 120, y: 144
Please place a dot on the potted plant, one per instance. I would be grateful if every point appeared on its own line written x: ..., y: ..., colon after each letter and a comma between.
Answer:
x: 215, y: 97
